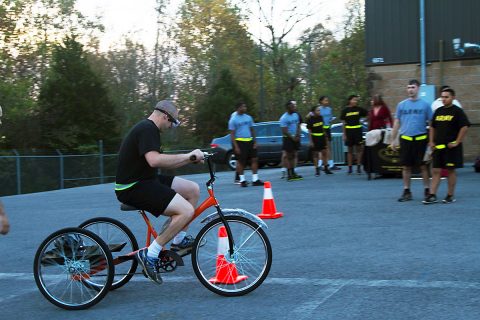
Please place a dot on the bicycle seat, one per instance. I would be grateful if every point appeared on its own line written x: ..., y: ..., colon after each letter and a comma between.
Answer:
x: 126, y: 207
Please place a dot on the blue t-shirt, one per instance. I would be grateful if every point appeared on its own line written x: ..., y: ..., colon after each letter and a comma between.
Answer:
x: 413, y: 116
x: 327, y: 115
x: 290, y: 121
x: 241, y: 123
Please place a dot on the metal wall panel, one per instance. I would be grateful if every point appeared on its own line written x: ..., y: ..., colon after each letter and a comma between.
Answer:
x: 392, y: 30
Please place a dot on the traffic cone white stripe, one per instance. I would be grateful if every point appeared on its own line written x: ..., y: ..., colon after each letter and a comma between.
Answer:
x: 222, y: 247
x: 267, y: 194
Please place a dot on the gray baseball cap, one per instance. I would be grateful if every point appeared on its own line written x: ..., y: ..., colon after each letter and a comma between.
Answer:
x: 168, y: 107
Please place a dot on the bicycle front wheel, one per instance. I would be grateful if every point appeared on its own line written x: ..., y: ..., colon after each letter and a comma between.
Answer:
x: 64, y: 263
x: 237, y: 274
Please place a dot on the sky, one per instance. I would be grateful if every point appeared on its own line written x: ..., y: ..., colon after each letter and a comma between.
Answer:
x: 137, y: 18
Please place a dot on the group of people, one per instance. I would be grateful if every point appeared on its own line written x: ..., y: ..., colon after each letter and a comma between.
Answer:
x: 419, y: 125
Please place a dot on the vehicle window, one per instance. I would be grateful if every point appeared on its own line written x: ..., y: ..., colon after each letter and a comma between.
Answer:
x: 261, y: 131
x: 274, y: 130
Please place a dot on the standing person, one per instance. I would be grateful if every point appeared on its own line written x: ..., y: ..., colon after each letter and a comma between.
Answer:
x: 244, y: 144
x: 352, y: 131
x: 290, y: 124
x: 379, y: 116
x: 236, y: 180
x: 411, y: 119
x: 4, y: 224
x: 449, y: 126
x: 327, y: 114
x: 318, y: 141
x: 139, y: 185
x: 283, y: 162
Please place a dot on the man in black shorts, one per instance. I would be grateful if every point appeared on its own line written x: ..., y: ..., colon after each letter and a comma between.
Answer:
x: 318, y: 140
x: 139, y: 185
x: 244, y: 144
x: 449, y: 126
x: 352, y: 131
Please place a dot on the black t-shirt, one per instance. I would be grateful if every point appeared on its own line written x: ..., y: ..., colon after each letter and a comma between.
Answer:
x: 132, y: 165
x: 352, y: 115
x: 447, y: 122
x: 315, y: 123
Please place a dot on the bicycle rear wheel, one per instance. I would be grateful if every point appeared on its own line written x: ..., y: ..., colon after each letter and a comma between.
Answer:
x: 121, y: 242
x: 67, y: 258
x: 239, y: 273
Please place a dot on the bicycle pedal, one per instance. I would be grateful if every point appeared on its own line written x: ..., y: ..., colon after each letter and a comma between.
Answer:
x: 166, y: 255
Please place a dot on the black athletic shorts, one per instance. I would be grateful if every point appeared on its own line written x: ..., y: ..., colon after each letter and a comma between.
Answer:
x: 412, y: 151
x: 354, y: 137
x: 289, y: 145
x: 152, y: 195
x: 319, y: 143
x: 448, y: 158
x: 328, y: 133
x: 247, y: 151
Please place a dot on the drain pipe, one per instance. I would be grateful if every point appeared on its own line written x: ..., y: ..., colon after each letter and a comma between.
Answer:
x: 423, y: 62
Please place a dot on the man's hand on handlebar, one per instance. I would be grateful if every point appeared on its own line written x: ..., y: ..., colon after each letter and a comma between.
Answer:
x: 196, y: 156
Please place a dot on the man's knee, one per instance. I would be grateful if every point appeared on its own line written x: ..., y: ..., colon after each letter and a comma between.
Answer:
x: 179, y: 206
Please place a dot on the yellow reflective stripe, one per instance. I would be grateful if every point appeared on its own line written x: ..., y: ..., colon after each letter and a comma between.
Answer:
x: 121, y: 187
x: 440, y: 146
x: 326, y: 127
x: 244, y: 139
x: 353, y: 127
x: 317, y: 134
x: 450, y: 164
x: 422, y: 137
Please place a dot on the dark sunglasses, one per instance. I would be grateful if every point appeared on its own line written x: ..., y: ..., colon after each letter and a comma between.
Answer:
x: 175, y: 122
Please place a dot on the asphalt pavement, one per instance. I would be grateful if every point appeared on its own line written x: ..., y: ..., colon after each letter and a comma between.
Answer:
x: 345, y: 249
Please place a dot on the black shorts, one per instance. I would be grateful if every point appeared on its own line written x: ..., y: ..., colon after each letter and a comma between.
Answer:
x: 152, y: 195
x: 247, y: 151
x: 412, y: 152
x: 328, y: 134
x: 290, y: 145
x: 319, y: 143
x: 354, y: 137
x: 448, y: 158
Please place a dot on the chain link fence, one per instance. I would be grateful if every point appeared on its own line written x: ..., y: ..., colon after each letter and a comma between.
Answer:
x: 42, y: 170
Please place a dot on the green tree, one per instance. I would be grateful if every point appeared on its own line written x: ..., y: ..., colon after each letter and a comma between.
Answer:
x: 75, y: 109
x: 215, y: 110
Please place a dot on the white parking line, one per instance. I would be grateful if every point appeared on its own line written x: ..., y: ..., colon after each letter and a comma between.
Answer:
x: 304, y: 281
x: 306, y: 309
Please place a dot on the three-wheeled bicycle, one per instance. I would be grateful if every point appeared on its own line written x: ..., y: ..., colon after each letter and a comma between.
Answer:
x: 74, y: 268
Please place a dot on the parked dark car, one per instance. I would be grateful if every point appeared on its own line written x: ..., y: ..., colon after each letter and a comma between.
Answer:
x: 269, y: 145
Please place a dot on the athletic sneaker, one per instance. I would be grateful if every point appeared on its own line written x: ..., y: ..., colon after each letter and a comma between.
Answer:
x: 295, y: 177
x: 258, y: 183
x: 406, y: 196
x: 350, y: 170
x: 334, y: 167
x: 449, y: 199
x: 149, y: 266
x: 327, y: 171
x: 244, y: 184
x: 317, y: 172
x: 359, y: 170
x: 237, y: 179
x: 430, y: 199
x: 185, y: 245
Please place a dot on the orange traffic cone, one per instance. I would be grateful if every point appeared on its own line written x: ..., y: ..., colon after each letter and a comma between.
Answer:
x: 226, y: 272
x: 269, y: 211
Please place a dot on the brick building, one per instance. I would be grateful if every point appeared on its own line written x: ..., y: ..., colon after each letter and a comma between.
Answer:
x: 452, y: 52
